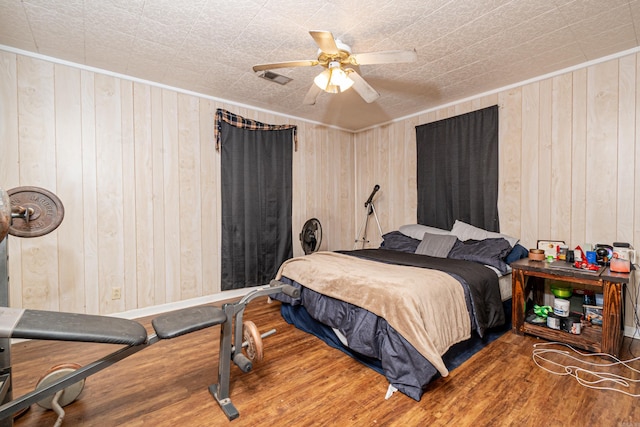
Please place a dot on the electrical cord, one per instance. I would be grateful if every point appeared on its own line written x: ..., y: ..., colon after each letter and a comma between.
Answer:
x: 599, y: 380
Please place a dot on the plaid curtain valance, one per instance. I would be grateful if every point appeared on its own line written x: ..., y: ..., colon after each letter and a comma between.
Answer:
x: 241, y: 122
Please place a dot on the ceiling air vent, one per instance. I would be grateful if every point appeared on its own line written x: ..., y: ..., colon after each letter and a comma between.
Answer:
x: 275, y: 77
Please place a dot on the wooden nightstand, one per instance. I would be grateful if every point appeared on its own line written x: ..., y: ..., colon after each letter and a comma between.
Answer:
x: 528, y: 279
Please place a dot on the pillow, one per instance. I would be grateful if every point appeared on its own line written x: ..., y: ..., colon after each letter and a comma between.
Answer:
x: 396, y: 241
x: 437, y: 245
x: 517, y: 253
x: 487, y: 251
x: 417, y: 230
x: 465, y: 231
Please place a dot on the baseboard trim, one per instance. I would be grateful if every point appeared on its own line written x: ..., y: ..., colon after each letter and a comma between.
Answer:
x: 177, y: 305
x: 631, y: 332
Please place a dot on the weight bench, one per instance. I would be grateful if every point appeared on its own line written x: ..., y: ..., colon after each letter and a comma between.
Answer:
x: 49, y: 325
x: 181, y: 322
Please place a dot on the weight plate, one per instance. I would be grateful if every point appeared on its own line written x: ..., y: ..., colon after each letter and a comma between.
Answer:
x: 70, y: 394
x: 5, y: 214
x: 46, y: 211
x: 252, y: 337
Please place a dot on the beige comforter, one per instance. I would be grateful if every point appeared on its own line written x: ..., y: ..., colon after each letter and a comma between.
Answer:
x: 427, y: 307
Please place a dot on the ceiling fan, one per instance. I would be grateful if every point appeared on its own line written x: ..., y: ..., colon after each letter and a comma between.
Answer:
x: 339, y: 74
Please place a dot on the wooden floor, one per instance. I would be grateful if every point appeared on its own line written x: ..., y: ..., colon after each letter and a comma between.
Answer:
x: 304, y: 382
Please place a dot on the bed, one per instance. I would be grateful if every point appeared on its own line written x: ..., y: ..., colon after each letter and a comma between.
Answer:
x: 407, y: 308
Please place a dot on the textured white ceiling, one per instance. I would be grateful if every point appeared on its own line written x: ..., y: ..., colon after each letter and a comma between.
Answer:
x: 465, y: 47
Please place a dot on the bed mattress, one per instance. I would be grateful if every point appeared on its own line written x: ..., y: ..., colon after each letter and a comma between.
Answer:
x: 504, y: 282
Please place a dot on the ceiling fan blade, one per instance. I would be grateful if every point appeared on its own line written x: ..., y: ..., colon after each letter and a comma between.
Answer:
x: 364, y: 89
x: 325, y: 41
x: 288, y: 64
x: 384, y: 57
x: 312, y: 95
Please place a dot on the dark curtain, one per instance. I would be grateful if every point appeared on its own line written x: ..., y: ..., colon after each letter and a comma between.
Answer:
x: 256, y: 204
x: 458, y: 170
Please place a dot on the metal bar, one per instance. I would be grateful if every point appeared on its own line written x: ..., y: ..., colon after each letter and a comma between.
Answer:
x: 5, y: 343
x: 5, y: 389
x: 4, y: 385
x: 220, y: 390
x: 237, y: 335
x: 363, y: 226
x: 266, y: 291
x: 231, y: 344
x: 264, y: 335
x: 4, y: 272
x: 375, y: 215
x: 224, y: 359
x: 8, y: 409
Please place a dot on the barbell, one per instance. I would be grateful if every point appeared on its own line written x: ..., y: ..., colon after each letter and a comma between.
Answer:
x: 29, y: 212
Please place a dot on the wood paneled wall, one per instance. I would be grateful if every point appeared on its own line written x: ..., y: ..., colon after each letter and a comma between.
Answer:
x: 569, y: 150
x: 568, y: 156
x: 136, y: 169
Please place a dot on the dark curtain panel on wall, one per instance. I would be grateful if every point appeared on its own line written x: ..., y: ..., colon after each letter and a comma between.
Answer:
x: 458, y: 170
x: 256, y: 204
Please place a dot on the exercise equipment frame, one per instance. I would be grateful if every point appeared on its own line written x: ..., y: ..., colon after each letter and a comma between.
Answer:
x: 166, y: 326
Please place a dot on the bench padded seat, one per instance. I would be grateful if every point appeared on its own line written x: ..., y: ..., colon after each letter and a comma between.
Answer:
x: 52, y: 325
x: 187, y: 320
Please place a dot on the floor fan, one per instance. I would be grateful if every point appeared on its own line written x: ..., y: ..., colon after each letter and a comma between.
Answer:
x: 311, y: 236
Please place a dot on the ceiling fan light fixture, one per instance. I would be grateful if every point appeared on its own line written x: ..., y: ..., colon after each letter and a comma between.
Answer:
x: 322, y: 79
x: 340, y: 79
x: 333, y: 79
x: 332, y: 89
